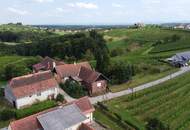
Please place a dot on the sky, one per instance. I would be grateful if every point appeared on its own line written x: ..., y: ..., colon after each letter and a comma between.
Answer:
x: 94, y: 11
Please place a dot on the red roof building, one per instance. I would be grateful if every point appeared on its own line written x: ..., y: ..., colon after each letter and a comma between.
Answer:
x: 32, y: 122
x: 25, y: 90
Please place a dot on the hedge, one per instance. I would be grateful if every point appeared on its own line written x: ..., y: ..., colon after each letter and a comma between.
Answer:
x: 35, y: 109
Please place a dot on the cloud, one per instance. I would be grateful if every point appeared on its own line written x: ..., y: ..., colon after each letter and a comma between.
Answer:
x: 116, y: 5
x: 83, y: 5
x: 18, y: 11
x: 43, y: 1
x: 62, y: 10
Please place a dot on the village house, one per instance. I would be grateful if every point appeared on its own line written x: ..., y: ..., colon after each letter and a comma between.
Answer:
x: 95, y: 82
x: 47, y: 64
x: 77, y: 115
x: 25, y: 90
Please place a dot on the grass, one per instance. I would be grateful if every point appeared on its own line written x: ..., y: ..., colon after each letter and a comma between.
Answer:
x: 169, y: 102
x: 140, y: 79
x: 99, y: 116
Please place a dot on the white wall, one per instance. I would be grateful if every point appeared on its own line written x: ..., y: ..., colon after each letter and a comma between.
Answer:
x: 34, y: 98
x: 8, y: 95
x: 90, y: 118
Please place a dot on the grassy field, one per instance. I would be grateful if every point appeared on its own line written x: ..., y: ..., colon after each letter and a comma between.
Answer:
x: 140, y: 79
x: 169, y: 102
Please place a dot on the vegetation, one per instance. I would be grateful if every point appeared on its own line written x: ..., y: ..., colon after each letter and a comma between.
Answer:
x: 155, y: 124
x: 167, y: 102
x: 74, y: 89
x: 60, y: 98
x: 38, y: 107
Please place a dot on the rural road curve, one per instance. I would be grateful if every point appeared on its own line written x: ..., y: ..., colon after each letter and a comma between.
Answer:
x: 111, y: 95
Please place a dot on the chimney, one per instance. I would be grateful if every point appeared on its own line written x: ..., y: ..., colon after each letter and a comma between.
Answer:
x: 54, y: 65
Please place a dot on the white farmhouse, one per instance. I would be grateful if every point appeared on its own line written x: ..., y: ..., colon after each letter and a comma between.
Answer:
x: 77, y: 115
x: 29, y: 89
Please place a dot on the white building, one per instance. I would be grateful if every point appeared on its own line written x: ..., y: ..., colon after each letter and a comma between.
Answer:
x: 77, y: 115
x: 29, y: 89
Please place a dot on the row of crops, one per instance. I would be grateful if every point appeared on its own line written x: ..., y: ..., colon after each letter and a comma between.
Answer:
x: 170, y: 102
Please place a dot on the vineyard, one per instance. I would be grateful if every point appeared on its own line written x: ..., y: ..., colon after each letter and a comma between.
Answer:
x: 169, y: 102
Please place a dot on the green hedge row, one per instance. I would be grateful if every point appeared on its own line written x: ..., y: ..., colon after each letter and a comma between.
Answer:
x: 35, y: 108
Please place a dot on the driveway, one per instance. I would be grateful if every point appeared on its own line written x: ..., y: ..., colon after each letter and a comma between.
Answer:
x: 110, y: 95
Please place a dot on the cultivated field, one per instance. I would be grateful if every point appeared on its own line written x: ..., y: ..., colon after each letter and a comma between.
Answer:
x: 170, y: 102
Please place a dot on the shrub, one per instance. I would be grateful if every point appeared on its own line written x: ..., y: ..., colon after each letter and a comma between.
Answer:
x: 35, y: 109
x: 155, y: 124
x: 74, y: 89
x: 7, y: 114
x: 60, y: 98
x: 118, y: 116
x: 117, y: 52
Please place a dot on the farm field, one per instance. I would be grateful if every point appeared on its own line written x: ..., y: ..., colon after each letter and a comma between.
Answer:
x: 168, y: 102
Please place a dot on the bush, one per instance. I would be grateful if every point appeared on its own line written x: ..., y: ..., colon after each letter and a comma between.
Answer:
x: 117, y: 52
x: 35, y: 109
x: 155, y: 124
x: 74, y: 89
x: 118, y: 116
x: 60, y: 98
x: 7, y: 114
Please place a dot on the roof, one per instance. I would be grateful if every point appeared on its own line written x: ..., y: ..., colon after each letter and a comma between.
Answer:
x: 62, y: 118
x: 71, y: 70
x: 181, y: 57
x: 29, y: 84
x: 85, y: 127
x: 84, y: 105
x: 32, y: 123
x: 88, y: 75
x: 47, y: 64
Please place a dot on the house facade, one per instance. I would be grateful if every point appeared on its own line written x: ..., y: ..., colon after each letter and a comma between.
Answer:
x: 95, y: 82
x: 72, y: 116
x: 29, y: 89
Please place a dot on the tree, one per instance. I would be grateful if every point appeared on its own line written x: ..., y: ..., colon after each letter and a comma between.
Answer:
x: 74, y: 89
x: 120, y: 72
x: 155, y: 124
x: 100, y: 51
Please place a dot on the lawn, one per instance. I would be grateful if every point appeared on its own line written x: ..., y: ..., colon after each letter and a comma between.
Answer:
x: 169, y: 102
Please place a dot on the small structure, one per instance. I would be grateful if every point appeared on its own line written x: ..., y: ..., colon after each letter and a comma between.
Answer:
x: 72, y: 116
x: 95, y: 82
x: 26, y: 90
x: 47, y: 64
x: 180, y: 59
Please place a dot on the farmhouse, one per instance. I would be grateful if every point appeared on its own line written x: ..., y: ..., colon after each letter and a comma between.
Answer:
x: 95, y: 82
x: 180, y: 59
x: 77, y: 115
x: 26, y: 90
x: 47, y: 64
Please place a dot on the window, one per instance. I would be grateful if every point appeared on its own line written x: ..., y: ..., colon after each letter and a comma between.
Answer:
x: 38, y: 94
x: 99, y: 84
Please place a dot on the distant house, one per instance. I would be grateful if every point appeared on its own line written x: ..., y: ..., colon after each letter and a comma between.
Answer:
x: 181, y: 26
x: 180, y: 59
x: 73, y: 116
x: 187, y: 27
x: 26, y: 90
x: 47, y: 64
x: 95, y: 82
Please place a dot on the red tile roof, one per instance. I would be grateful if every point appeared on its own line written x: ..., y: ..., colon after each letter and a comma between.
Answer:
x: 71, y: 70
x: 84, y: 105
x: 47, y: 64
x: 32, y: 83
x: 32, y: 123
x: 88, y: 75
x: 85, y: 127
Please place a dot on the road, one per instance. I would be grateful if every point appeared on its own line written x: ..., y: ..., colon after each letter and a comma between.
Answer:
x: 110, y: 95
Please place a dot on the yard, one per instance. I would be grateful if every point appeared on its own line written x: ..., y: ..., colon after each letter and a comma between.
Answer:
x: 169, y: 102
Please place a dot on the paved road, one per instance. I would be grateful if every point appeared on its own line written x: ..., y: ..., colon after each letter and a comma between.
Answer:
x: 138, y: 88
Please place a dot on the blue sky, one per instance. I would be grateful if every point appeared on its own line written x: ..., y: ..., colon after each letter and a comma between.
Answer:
x: 94, y: 11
